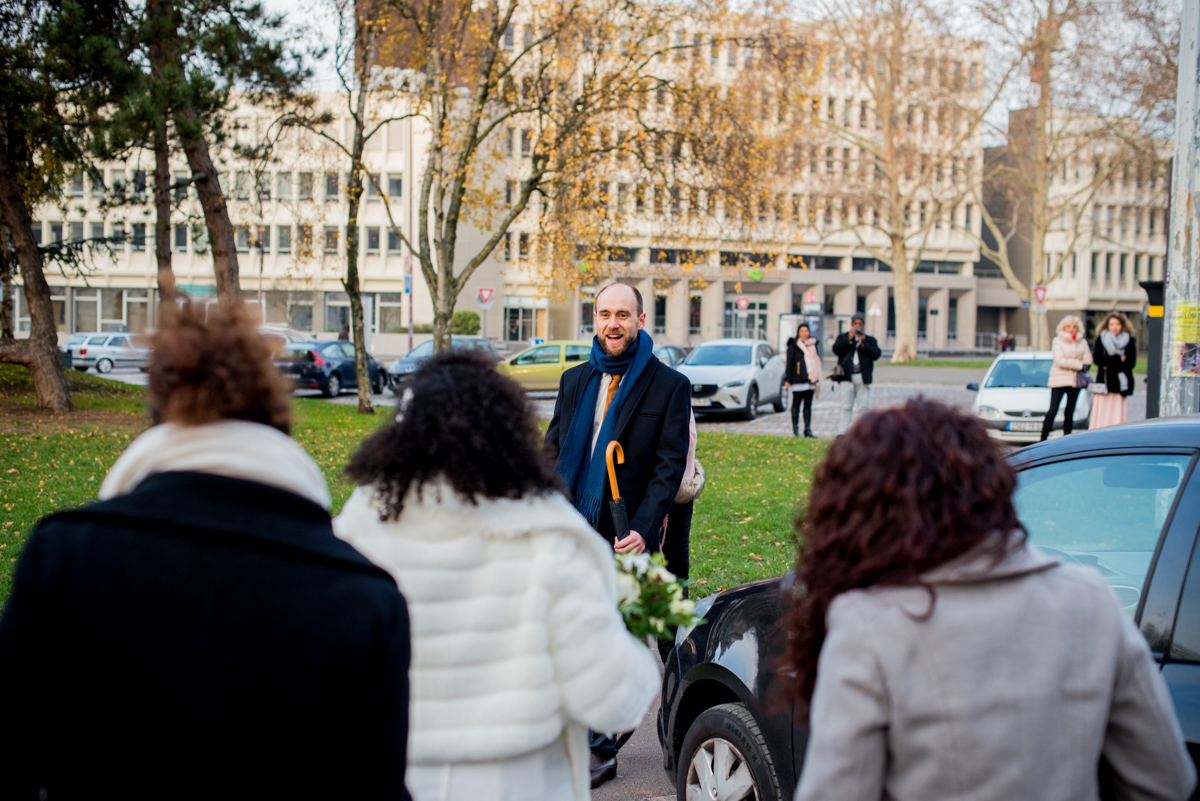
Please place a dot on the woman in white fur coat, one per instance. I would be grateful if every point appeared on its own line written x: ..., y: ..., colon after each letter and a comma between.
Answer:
x: 518, y: 647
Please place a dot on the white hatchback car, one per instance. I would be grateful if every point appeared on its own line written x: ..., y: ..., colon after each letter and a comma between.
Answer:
x: 1013, y: 398
x: 735, y: 375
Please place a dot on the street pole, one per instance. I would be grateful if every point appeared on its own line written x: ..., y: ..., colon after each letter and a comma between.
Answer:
x: 1182, y: 354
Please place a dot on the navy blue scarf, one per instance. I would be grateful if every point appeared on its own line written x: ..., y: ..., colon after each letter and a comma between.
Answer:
x: 587, y: 484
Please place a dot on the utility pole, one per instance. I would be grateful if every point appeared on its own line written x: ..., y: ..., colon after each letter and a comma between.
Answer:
x: 1181, y: 359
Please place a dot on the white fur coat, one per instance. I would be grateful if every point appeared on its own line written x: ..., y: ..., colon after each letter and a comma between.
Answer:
x: 517, y: 640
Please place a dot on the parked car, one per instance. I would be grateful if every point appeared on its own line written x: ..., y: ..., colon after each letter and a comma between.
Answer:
x: 670, y: 355
x: 402, y: 368
x: 1013, y: 398
x: 106, y: 351
x: 283, y: 335
x: 540, y: 367
x: 327, y: 366
x: 735, y: 375
x: 1124, y: 500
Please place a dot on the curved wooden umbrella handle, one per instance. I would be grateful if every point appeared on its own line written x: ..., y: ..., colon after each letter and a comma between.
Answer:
x: 614, y: 446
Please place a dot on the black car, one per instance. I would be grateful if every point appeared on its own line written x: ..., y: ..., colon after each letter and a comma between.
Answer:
x: 402, y: 368
x: 327, y: 366
x: 1124, y: 500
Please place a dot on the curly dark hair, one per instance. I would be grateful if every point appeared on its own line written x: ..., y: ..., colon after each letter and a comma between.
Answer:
x: 461, y: 421
x: 903, y: 491
x: 210, y: 363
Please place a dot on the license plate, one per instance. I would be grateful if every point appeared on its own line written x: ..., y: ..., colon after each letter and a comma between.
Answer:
x: 1034, y: 425
x: 702, y: 401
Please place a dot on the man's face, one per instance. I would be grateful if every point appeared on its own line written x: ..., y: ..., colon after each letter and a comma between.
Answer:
x: 617, y: 319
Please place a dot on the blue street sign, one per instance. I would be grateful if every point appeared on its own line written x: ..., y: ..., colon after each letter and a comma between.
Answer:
x: 407, y: 284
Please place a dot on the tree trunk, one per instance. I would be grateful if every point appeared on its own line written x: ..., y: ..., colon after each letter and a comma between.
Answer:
x: 443, y: 314
x: 39, y: 353
x: 162, y: 213
x: 6, y: 293
x: 216, y: 215
x: 906, y: 324
x: 354, y: 194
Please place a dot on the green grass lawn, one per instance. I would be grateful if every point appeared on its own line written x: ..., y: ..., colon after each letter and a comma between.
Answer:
x: 741, y: 530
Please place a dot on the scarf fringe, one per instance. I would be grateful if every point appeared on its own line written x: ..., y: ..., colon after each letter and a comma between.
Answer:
x: 589, y: 506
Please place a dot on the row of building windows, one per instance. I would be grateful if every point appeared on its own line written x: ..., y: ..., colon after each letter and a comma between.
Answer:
x: 284, y: 186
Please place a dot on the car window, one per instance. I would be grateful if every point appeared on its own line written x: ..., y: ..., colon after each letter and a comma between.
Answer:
x: 76, y: 340
x: 545, y: 354
x: 578, y: 353
x: 333, y: 351
x: 422, y: 350
x: 119, y: 342
x: 720, y: 355
x: 768, y: 351
x: 97, y: 340
x: 1106, y: 512
x: 1019, y: 373
x: 348, y: 350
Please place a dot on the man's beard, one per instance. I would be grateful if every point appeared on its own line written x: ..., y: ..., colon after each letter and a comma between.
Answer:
x: 624, y: 346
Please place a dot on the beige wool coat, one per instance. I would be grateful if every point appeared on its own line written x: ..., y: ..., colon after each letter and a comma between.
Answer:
x: 1024, y: 675
x: 1070, y: 356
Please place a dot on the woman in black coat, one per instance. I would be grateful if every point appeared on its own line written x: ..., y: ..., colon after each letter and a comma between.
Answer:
x: 1115, y: 354
x: 200, y: 632
x: 802, y: 377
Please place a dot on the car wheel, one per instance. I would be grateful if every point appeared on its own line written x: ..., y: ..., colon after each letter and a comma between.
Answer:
x: 725, y: 758
x: 104, y: 366
x: 334, y: 387
x: 781, y: 403
x: 81, y: 369
x: 378, y: 384
x: 751, y: 404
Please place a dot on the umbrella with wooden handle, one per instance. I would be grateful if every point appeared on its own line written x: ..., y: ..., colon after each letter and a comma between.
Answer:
x: 617, y: 504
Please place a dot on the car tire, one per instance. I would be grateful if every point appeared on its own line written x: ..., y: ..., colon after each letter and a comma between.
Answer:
x: 751, y: 403
x: 379, y: 384
x: 780, y: 404
x: 81, y: 369
x: 104, y: 366
x: 726, y: 735
x: 334, y: 387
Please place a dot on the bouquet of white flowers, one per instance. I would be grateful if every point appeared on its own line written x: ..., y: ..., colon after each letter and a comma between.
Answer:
x: 651, y: 597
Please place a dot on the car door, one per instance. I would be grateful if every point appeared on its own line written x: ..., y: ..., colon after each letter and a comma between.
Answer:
x: 774, y: 370
x: 122, y: 352
x: 538, y: 368
x: 573, y: 355
x: 349, y: 373
x: 335, y: 356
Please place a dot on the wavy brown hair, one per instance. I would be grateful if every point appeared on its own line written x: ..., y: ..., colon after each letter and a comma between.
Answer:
x: 461, y: 421
x: 1126, y: 328
x: 210, y: 363
x: 903, y: 491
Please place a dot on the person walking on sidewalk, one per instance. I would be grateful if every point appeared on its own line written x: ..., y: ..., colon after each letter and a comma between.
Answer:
x: 1071, y: 357
x: 803, y: 377
x: 621, y: 393
x: 200, y: 633
x: 856, y: 353
x: 939, y: 655
x: 518, y: 645
x: 1115, y: 355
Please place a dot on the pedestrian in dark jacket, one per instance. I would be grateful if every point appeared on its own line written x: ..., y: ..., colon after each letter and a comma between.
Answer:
x: 200, y: 632
x: 1115, y: 354
x: 857, y: 353
x: 803, y: 377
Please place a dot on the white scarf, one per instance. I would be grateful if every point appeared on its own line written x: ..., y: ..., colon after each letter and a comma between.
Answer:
x: 231, y: 448
x: 1114, y: 343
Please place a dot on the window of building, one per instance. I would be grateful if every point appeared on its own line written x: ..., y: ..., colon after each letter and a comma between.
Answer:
x: 97, y: 233
x: 337, y: 310
x: 523, y: 246
x: 331, y: 187
x: 304, y: 241
x: 372, y: 186
x: 118, y: 236
x: 373, y: 240
x: 395, y: 186
x: 139, y: 237
x: 241, y: 185
x: 293, y: 309
x: 1108, y: 263
x: 331, y: 239
x: 58, y: 303
x: 660, y: 312
x: 306, y: 186
x: 694, y: 299
x: 749, y: 323
x: 181, y: 238
x: 97, y: 182
x: 75, y: 184
x: 391, y: 307
x: 1095, y: 259
x: 394, y: 242
x: 283, y: 186
x: 139, y: 185
x: 56, y: 233
x: 241, y: 236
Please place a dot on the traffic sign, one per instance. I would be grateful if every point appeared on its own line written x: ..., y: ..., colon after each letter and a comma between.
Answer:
x: 1025, y: 304
x: 743, y: 303
x: 810, y: 296
x: 1039, y: 292
x: 485, y: 296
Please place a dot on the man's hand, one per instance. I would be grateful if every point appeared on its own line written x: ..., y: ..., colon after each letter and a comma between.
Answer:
x: 634, y: 543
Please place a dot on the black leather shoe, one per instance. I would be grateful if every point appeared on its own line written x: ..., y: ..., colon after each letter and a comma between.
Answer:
x: 808, y: 434
x: 603, y: 770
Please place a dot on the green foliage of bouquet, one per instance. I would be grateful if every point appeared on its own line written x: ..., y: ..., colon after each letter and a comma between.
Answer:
x: 650, y: 597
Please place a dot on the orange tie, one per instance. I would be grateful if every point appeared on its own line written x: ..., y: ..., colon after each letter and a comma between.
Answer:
x: 612, y: 391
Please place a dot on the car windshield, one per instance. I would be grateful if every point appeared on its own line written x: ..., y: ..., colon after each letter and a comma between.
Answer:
x: 1019, y: 373
x: 1106, y: 512
x: 422, y: 351
x: 720, y: 355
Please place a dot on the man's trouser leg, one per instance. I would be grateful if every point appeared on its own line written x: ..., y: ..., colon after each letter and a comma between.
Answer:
x: 847, y: 414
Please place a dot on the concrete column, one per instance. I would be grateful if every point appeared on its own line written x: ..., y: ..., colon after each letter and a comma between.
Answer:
x: 677, y: 312
x: 846, y: 264
x: 966, y: 320
x: 845, y: 302
x: 877, y: 323
x: 318, y: 315
x: 779, y: 301
x: 935, y: 325
x: 712, y: 311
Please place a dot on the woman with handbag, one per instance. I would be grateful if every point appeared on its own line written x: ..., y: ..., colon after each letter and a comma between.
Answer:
x: 1068, y: 374
x: 803, y: 377
x: 1115, y: 354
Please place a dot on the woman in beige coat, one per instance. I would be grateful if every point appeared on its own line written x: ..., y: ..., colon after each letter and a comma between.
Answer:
x: 945, y: 658
x: 1071, y: 356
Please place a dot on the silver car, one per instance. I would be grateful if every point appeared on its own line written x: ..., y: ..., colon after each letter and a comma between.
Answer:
x: 106, y: 351
x: 735, y: 375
